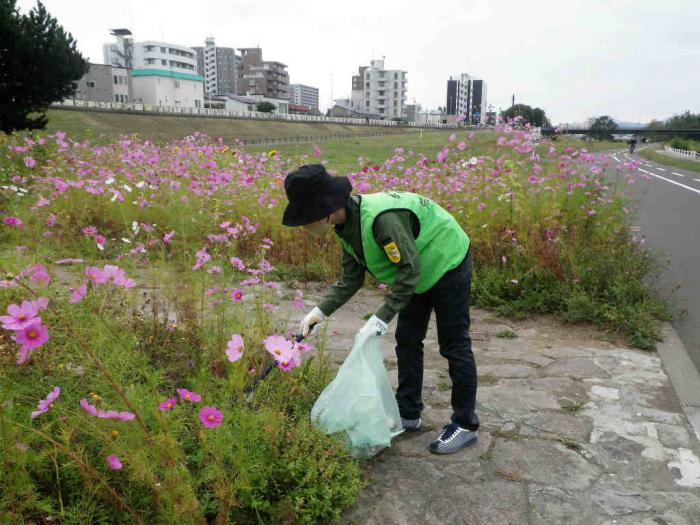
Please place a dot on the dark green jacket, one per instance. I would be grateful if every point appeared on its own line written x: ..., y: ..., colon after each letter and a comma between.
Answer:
x: 400, y: 227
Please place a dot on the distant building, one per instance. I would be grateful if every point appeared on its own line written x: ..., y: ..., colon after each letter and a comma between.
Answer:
x: 121, y: 52
x: 299, y: 109
x: 149, y: 54
x: 164, y: 56
x: 303, y: 95
x: 167, y: 88
x: 249, y: 103
x: 347, y: 107
x: 219, y: 67
x: 432, y: 117
x: 380, y: 91
x: 467, y: 96
x: 412, y: 112
x: 258, y: 77
x: 104, y: 83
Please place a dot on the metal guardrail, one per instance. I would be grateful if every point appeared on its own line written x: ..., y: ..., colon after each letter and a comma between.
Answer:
x: 257, y: 141
x: 127, y: 107
x: 682, y: 153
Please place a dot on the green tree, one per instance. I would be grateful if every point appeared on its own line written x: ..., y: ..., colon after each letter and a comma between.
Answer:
x: 265, y: 107
x: 39, y: 64
x: 535, y: 116
x: 603, y: 128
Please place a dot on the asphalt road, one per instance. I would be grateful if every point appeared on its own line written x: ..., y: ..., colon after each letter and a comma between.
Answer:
x: 669, y: 221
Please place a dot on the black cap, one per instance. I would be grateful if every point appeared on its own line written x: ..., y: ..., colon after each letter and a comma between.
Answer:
x: 313, y: 194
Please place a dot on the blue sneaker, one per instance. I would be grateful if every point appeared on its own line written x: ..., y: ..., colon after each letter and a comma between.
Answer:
x: 411, y: 425
x: 453, y: 438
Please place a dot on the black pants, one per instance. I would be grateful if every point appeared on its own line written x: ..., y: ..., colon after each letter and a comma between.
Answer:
x: 449, y: 297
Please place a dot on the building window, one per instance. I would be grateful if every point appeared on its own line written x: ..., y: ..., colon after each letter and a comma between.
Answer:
x: 116, y: 98
x: 396, y: 75
x: 163, y: 62
x: 396, y: 85
x: 115, y: 79
x: 90, y: 83
x: 162, y: 49
x: 176, y: 83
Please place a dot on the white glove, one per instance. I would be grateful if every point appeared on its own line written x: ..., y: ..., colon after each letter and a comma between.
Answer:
x: 375, y: 326
x: 311, y: 323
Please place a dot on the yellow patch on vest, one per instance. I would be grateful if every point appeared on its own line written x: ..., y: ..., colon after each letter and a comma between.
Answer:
x: 392, y: 251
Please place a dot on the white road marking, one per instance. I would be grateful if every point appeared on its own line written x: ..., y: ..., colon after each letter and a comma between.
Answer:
x: 679, y: 174
x: 660, y: 169
x: 696, y: 180
x: 671, y: 181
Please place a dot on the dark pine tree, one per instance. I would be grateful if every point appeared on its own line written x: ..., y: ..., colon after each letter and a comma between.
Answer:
x: 39, y: 64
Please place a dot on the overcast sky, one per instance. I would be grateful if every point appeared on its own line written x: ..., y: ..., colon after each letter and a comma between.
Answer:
x: 632, y: 59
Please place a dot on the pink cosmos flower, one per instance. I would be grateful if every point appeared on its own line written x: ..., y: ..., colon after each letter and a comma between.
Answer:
x: 117, y: 276
x: 100, y: 241
x: 237, y: 263
x: 90, y: 409
x: 90, y: 231
x: 250, y: 282
x: 304, y: 347
x: 442, y: 155
x: 382, y: 287
x: 192, y: 397
x: 20, y: 316
x: 168, y: 404
x: 452, y: 137
x: 29, y: 162
x: 269, y: 307
x: 106, y: 414
x: 237, y: 295
x: 285, y: 352
x: 462, y: 146
x: 298, y: 303
x: 210, y: 417
x: 44, y: 404
x: 15, y: 222
x: 95, y: 275
x: 41, y: 303
x: 202, y: 258
x: 214, y: 269
x: 234, y: 348
x: 316, y: 151
x: 39, y: 275
x: 113, y: 462
x: 168, y: 237
x: 265, y: 266
x: 289, y: 362
x: 277, y: 345
x: 78, y: 294
x: 33, y: 336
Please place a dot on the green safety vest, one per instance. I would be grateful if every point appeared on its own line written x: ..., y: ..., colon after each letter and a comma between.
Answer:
x: 441, y: 242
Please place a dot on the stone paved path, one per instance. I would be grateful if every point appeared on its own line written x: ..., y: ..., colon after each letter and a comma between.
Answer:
x: 575, y: 430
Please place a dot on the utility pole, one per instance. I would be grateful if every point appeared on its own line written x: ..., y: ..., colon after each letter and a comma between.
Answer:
x: 513, y: 104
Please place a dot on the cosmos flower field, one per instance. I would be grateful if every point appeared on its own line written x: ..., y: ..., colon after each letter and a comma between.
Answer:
x: 144, y: 288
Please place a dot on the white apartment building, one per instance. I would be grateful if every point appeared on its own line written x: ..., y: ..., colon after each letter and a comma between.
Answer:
x: 161, y: 55
x: 167, y: 88
x: 381, y: 91
x: 303, y: 95
x: 149, y: 54
x: 219, y: 67
x: 466, y: 95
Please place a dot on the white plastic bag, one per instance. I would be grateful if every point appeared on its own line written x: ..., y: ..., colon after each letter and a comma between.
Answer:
x: 359, y: 401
